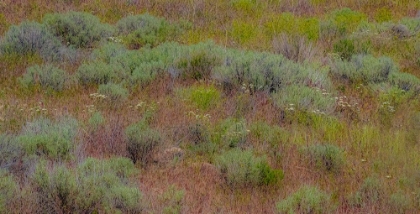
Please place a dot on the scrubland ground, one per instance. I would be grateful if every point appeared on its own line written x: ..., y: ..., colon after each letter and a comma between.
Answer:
x: 241, y: 106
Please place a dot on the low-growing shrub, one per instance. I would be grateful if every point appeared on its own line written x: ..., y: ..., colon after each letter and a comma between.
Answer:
x: 48, y: 76
x: 98, y: 72
x: 304, y: 98
x: 115, y: 94
x: 272, y: 138
x: 8, y: 191
x: 96, y: 120
x: 243, y: 31
x: 108, y: 51
x: 234, y: 132
x: 325, y: 157
x: 31, y: 38
x: 287, y: 23
x: 383, y: 15
x: 307, y: 199
x: 413, y: 24
x: 45, y: 138
x: 267, y: 72
x: 364, y: 69
x: 401, y: 31
x: 340, y: 22
x: 345, y: 48
x: 405, y: 81
x: 141, y: 142
x: 198, y: 63
x: 77, y: 29
x: 145, y: 29
x: 202, y: 97
x: 369, y: 192
x: 297, y: 49
x: 244, y: 5
x: 94, y: 186
x: 173, y: 198
x: 10, y: 153
x: 399, y: 203
x: 242, y: 169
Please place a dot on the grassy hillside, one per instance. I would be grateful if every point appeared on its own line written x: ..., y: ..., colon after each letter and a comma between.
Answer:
x: 237, y: 106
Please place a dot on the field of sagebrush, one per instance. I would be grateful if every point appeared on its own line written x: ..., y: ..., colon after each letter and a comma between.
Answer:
x: 199, y: 106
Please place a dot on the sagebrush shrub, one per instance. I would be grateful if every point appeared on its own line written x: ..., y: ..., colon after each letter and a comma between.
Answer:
x: 10, y: 153
x: 235, y: 132
x: 273, y: 138
x: 48, y: 76
x: 96, y: 120
x: 77, y: 29
x: 399, y: 202
x: 145, y: 29
x: 45, y: 138
x: 141, y: 142
x: 108, y: 51
x: 325, y: 157
x: 98, y: 72
x: 31, y: 38
x: 267, y: 72
x: 8, y: 191
x: 197, y: 63
x: 173, y: 198
x: 297, y: 49
x: 304, y: 98
x: 364, y: 69
x: 93, y: 186
x: 345, y: 48
x: 242, y: 169
x: 369, y: 192
x: 413, y: 24
x: 405, y: 81
x: 307, y: 200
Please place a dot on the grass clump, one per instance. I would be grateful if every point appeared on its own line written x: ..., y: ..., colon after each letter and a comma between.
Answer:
x: 146, y: 30
x: 307, y: 199
x: 45, y: 138
x: 94, y: 186
x: 77, y: 29
x: 47, y: 76
x: 242, y: 169
x: 31, y: 38
x: 141, y: 142
x: 325, y: 157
